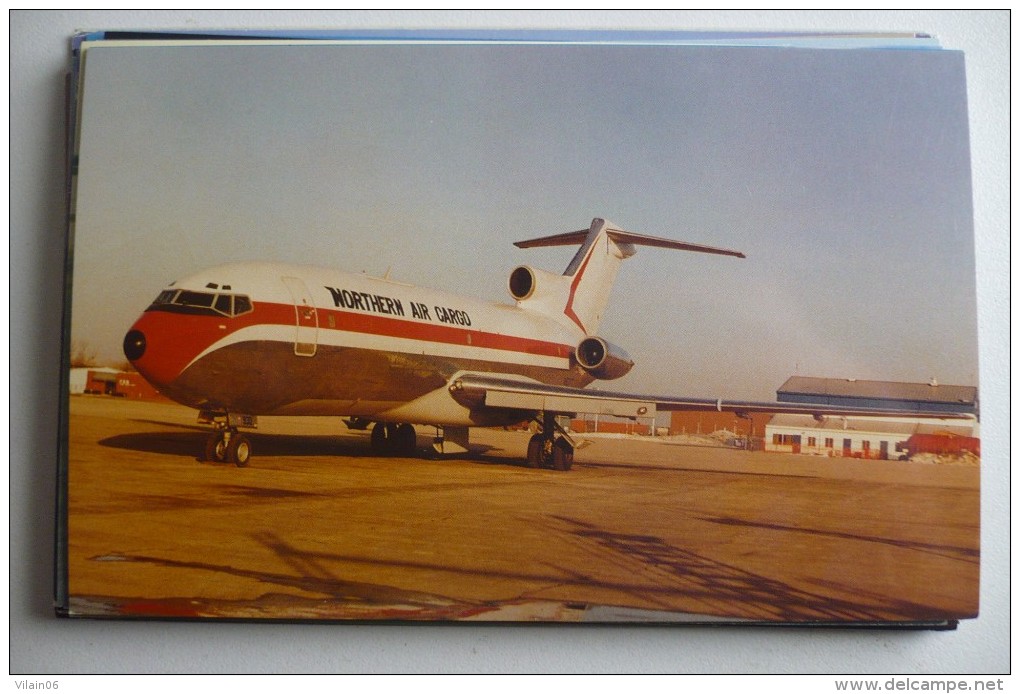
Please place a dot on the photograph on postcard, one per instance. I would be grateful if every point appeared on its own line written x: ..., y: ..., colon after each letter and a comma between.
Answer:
x: 560, y: 332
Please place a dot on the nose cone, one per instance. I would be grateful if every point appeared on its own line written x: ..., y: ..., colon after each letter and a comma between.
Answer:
x: 160, y: 344
x: 134, y: 345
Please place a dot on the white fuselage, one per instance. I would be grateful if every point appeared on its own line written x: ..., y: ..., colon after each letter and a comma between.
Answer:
x: 275, y: 339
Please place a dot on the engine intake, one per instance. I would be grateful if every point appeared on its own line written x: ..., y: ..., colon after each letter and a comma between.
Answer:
x: 602, y: 359
x: 522, y: 283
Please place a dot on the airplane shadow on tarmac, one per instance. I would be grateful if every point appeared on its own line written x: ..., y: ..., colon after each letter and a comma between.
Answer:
x: 191, y: 444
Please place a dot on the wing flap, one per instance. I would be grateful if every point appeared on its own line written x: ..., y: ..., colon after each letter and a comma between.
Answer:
x: 511, y: 393
x: 568, y: 402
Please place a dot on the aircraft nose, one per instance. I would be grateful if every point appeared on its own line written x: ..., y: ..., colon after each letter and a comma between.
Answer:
x: 134, y: 345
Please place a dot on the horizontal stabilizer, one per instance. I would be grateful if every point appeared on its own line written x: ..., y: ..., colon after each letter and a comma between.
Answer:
x: 571, y: 238
x: 643, y: 240
x: 574, y: 238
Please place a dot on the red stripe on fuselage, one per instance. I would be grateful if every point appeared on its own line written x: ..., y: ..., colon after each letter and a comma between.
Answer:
x: 174, y: 340
x: 370, y: 324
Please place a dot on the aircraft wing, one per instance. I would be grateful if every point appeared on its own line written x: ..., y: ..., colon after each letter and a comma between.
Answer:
x: 479, y: 390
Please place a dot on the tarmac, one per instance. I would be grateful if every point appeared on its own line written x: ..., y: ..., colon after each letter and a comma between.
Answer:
x: 317, y: 528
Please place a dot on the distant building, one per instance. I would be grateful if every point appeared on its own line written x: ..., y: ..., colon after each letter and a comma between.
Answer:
x: 78, y: 379
x: 887, y: 395
x: 130, y: 384
x: 879, y: 438
x: 606, y: 425
x: 106, y: 381
x: 101, y: 382
x: 874, y: 437
x: 90, y: 379
x: 695, y: 422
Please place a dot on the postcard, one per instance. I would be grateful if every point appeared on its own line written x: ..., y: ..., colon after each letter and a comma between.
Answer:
x: 533, y: 327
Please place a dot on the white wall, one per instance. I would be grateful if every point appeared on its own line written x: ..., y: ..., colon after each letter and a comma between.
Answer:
x: 77, y: 380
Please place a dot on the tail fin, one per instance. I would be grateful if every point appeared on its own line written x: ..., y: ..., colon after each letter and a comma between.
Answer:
x: 593, y: 269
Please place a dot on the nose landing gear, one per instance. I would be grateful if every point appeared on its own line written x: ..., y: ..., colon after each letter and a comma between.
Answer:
x: 228, y: 447
x: 226, y: 444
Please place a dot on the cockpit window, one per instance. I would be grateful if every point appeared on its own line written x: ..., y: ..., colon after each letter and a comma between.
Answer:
x: 223, y: 304
x: 165, y: 297
x: 242, y: 304
x: 201, y: 303
x: 198, y: 299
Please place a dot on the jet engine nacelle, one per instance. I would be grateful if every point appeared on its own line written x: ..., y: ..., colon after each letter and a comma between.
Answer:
x: 538, y: 290
x: 527, y: 283
x: 602, y: 359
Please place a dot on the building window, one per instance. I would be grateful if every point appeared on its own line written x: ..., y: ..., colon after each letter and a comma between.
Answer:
x: 812, y: 441
x: 828, y: 443
x: 786, y: 439
x: 865, y: 446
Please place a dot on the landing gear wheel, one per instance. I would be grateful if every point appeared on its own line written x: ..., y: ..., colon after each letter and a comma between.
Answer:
x: 536, y: 444
x: 562, y: 455
x: 239, y: 450
x: 215, y: 448
x: 379, y: 439
x: 544, y: 452
x: 404, y: 440
x: 394, y: 439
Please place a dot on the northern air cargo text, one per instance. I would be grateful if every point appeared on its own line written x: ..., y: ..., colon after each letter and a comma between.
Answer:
x: 363, y: 301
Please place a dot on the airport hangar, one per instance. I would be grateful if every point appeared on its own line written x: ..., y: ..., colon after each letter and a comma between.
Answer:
x: 879, y: 438
x: 858, y: 437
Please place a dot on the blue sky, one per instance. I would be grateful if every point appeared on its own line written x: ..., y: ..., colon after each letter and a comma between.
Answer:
x: 843, y: 175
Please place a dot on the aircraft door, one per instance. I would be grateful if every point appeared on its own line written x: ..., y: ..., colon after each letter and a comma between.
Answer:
x: 306, y: 317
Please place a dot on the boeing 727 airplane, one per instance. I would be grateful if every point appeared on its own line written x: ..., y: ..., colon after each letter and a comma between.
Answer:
x: 248, y: 339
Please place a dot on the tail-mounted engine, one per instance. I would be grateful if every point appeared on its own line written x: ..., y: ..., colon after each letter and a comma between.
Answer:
x: 522, y: 283
x: 602, y: 359
x: 539, y: 290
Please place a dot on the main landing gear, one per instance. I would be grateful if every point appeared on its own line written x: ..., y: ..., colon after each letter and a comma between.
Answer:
x: 547, y: 450
x: 398, y: 440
